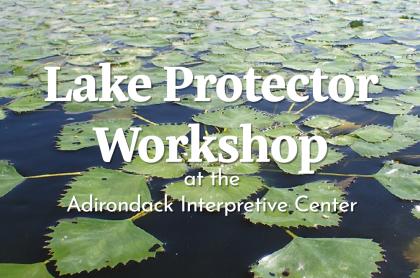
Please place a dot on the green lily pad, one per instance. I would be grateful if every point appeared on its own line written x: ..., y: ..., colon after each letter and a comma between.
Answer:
x: 342, y: 140
x: 162, y: 131
x: 319, y: 192
x: 235, y: 168
x: 373, y: 133
x: 79, y: 135
x: 2, y: 114
x: 390, y: 105
x: 247, y: 186
x: 399, y: 82
x: 88, y: 49
x: 161, y: 169
x: 234, y: 117
x: 242, y: 43
x: 107, y: 186
x: 9, y: 177
x: 172, y: 59
x: 28, y: 103
x: 214, y: 104
x: 294, y: 166
x: 36, y: 270
x: 395, y: 143
x: 408, y: 125
x: 87, y: 244
x: 321, y: 257
x: 323, y: 122
x: 287, y: 130
x: 412, y: 97
x: 401, y: 180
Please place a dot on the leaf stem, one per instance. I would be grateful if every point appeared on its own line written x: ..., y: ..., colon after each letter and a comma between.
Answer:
x: 305, y: 107
x: 290, y: 233
x: 144, y: 119
x: 54, y: 175
x: 140, y: 214
x: 291, y: 107
x: 345, y: 175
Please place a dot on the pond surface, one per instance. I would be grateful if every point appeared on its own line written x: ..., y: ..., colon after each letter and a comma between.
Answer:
x: 222, y: 37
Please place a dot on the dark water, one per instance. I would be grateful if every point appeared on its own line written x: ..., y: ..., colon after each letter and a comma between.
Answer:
x: 197, y: 245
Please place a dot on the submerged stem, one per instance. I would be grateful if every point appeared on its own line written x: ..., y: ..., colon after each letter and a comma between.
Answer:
x: 290, y: 233
x: 345, y: 175
x: 144, y: 119
x: 291, y: 107
x: 144, y: 213
x: 305, y: 107
x: 54, y: 175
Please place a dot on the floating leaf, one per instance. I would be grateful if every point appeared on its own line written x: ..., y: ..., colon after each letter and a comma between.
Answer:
x: 86, y: 244
x: 28, y: 103
x: 294, y: 166
x: 415, y: 274
x: 76, y: 136
x: 321, y: 257
x: 288, y: 130
x: 412, y: 97
x: 342, y: 140
x: 390, y: 106
x: 36, y: 270
x: 172, y: 59
x: 242, y: 43
x: 2, y: 114
x: 401, y: 180
x: 107, y: 186
x: 409, y: 125
x: 235, y: 168
x: 323, y: 122
x: 88, y: 49
x: 9, y: 177
x: 234, y: 117
x: 399, y: 82
x: 162, y: 131
x: 374, y: 133
x: 161, y: 169
x: 395, y: 143
x: 207, y: 192
x: 319, y: 192
x: 214, y: 104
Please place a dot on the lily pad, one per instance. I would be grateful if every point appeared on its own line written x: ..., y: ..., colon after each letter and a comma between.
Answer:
x: 106, y: 185
x: 28, y: 103
x: 161, y: 169
x: 234, y: 117
x: 390, y: 105
x: 321, y: 257
x: 294, y: 166
x: 401, y: 180
x: 315, y: 191
x: 409, y: 125
x: 373, y: 133
x: 9, y: 177
x: 395, y: 143
x: 79, y: 135
x: 207, y: 192
x: 87, y: 244
x: 323, y: 122
x: 172, y: 59
x: 36, y: 270
x: 214, y: 104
